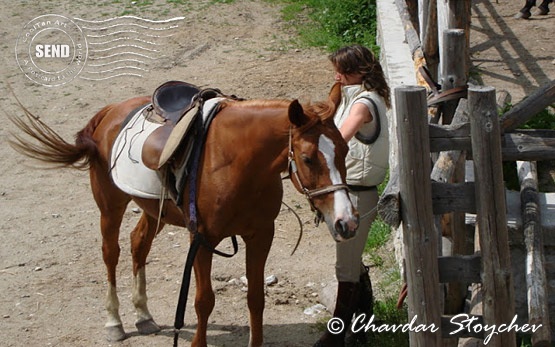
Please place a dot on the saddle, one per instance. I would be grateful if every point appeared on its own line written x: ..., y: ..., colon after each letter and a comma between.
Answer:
x: 176, y: 105
x: 173, y: 99
x: 152, y: 154
x: 185, y: 112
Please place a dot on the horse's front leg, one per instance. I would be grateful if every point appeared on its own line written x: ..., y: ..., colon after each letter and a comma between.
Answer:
x: 258, y: 247
x: 204, y: 298
x: 141, y: 242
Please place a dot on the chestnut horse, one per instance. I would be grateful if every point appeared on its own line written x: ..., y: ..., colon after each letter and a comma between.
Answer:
x: 239, y: 185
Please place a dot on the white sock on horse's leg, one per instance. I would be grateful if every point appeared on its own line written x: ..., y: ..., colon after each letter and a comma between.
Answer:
x: 144, y: 323
x: 113, y: 327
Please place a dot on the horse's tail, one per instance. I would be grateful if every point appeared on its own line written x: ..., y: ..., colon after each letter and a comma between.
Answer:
x: 49, y: 147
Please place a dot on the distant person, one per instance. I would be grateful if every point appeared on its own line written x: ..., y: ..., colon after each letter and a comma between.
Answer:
x: 525, y: 13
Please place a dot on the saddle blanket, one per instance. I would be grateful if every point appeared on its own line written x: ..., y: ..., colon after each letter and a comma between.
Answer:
x: 128, y: 171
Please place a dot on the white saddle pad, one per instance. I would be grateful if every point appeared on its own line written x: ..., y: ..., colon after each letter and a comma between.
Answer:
x: 128, y: 171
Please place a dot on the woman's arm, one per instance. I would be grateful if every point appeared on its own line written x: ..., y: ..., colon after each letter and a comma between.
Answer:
x: 358, y: 115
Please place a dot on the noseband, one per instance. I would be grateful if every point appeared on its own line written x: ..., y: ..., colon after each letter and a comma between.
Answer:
x: 309, y: 193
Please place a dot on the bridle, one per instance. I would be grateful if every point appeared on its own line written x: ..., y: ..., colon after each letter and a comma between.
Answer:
x: 309, y: 193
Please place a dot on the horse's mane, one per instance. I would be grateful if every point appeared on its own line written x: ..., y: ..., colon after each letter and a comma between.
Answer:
x: 262, y: 103
x: 321, y: 109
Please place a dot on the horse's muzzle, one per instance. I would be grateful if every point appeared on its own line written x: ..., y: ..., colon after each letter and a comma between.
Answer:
x: 345, y: 229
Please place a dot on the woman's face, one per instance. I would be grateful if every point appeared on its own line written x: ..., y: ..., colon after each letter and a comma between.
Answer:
x: 348, y: 79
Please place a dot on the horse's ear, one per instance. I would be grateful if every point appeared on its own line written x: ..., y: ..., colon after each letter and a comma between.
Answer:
x: 335, y: 94
x: 296, y: 114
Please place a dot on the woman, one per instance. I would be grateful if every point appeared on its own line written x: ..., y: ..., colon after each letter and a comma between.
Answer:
x: 361, y: 119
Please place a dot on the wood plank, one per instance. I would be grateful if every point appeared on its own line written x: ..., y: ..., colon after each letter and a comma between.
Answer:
x: 460, y: 268
x: 529, y: 145
x: 523, y: 144
x: 450, y: 138
x: 453, y: 197
x: 529, y: 107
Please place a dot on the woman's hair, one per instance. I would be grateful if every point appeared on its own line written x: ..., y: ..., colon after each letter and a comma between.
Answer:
x: 359, y: 59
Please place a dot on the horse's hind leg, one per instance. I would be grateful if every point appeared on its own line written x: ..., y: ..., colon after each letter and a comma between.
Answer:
x: 257, y: 249
x: 112, y: 204
x: 141, y: 241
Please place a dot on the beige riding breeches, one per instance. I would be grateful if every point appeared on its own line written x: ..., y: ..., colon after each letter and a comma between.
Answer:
x: 349, y: 253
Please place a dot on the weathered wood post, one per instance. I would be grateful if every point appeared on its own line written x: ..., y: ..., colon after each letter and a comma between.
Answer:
x: 497, y: 284
x: 454, y: 74
x: 454, y: 14
x: 536, y: 283
x: 427, y: 14
x: 419, y: 235
x: 453, y: 68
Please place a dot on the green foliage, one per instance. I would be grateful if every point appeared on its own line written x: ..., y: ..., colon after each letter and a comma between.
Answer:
x: 386, y: 311
x: 333, y: 24
x: 378, y: 235
x: 543, y: 120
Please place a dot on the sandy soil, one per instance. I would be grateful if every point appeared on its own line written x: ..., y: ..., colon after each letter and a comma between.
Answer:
x: 51, y: 274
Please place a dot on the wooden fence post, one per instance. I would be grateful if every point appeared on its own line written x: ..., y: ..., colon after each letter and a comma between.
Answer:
x: 497, y: 284
x: 419, y: 235
x: 536, y: 283
x: 453, y: 68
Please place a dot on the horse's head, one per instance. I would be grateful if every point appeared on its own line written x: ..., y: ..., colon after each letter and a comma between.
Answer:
x: 317, y: 166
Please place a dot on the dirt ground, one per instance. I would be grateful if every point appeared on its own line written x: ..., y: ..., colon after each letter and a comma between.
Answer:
x: 52, y: 278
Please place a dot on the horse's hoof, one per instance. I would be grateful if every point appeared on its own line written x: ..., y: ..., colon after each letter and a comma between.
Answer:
x: 543, y: 10
x: 147, y: 327
x: 115, y: 333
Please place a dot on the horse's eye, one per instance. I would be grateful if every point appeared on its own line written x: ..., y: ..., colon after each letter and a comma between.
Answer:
x: 306, y: 159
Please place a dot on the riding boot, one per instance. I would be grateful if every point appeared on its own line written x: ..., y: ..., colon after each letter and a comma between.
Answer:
x: 365, y: 306
x: 345, y: 305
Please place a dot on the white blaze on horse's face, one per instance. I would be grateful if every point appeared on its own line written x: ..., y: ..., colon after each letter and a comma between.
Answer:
x: 343, y: 223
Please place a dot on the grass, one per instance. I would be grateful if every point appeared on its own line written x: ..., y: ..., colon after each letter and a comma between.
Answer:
x: 331, y: 24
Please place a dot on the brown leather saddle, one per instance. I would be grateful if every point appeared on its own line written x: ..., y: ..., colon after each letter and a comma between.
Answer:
x: 176, y: 104
x: 173, y: 99
x: 168, y: 150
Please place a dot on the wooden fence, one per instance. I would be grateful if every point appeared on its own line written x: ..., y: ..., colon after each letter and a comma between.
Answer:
x: 428, y: 195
